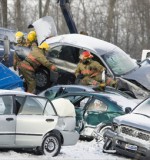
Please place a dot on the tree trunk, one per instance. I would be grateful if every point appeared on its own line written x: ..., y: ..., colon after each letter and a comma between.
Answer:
x: 46, y: 7
x: 18, y: 15
x: 40, y: 8
x: 110, y: 19
x: 4, y: 13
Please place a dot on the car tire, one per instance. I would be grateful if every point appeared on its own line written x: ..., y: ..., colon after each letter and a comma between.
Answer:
x: 51, y: 144
x: 42, y: 79
x: 101, y: 130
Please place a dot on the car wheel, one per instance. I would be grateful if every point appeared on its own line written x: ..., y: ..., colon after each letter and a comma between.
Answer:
x: 101, y: 131
x: 51, y: 145
x: 42, y: 79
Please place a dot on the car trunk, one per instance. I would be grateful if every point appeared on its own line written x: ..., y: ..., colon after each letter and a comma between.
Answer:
x: 66, y: 112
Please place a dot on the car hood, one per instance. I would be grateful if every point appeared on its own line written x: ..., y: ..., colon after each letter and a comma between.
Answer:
x: 134, y: 120
x: 141, y: 75
x: 45, y: 28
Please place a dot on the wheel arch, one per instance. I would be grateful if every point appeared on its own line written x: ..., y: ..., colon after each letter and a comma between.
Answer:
x: 57, y: 132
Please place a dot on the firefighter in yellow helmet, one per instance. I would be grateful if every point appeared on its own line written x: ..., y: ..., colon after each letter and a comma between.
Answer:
x: 32, y: 39
x: 32, y: 62
x: 21, y: 41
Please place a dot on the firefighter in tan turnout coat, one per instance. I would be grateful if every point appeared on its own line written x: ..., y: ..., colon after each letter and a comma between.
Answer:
x: 21, y: 41
x: 32, y: 62
x: 89, y: 72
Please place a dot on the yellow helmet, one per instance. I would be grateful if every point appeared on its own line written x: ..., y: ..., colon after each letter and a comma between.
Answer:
x: 19, y: 36
x: 31, y: 36
x: 45, y: 46
x: 33, y: 32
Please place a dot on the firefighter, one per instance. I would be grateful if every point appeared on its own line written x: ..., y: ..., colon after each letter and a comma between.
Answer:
x: 90, y: 72
x: 32, y: 62
x: 31, y: 40
x: 21, y: 41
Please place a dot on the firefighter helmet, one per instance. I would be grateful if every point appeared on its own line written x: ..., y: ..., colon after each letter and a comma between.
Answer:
x: 85, y: 55
x: 31, y: 36
x: 19, y: 36
x: 44, y: 45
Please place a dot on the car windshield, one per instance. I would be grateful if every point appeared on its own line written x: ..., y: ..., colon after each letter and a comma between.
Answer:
x: 143, y: 108
x: 119, y: 62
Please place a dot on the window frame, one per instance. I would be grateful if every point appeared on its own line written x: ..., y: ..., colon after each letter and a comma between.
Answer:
x: 47, y: 100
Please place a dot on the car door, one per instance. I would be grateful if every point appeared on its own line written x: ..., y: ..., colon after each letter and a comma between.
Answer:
x: 35, y: 118
x: 66, y: 59
x: 96, y: 112
x: 79, y: 101
x: 7, y: 121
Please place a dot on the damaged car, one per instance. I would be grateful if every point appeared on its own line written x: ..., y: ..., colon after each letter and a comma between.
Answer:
x: 130, y: 133
x: 33, y: 122
x: 133, y: 78
x: 95, y: 111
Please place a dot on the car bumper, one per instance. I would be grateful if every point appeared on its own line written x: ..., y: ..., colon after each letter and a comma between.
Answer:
x: 130, y: 147
x: 70, y: 137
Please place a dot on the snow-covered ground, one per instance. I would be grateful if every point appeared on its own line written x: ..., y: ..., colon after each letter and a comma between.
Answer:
x: 83, y: 150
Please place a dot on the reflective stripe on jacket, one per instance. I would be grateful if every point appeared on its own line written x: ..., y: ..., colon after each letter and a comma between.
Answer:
x: 26, y: 66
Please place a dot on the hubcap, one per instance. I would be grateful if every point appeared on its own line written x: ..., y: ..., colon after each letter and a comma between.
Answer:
x: 50, y: 145
x: 41, y: 79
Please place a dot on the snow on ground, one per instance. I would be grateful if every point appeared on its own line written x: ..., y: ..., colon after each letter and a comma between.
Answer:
x: 83, y: 150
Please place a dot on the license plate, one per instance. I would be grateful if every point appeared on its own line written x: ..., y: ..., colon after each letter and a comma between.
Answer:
x: 131, y: 147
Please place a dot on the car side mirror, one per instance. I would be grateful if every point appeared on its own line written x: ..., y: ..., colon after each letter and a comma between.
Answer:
x: 128, y: 110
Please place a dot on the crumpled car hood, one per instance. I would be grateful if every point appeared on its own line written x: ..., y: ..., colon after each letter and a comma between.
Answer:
x: 45, y: 28
x: 134, y: 120
x: 141, y: 75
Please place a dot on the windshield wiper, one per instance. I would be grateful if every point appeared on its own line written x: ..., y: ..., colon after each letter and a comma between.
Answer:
x: 143, y: 115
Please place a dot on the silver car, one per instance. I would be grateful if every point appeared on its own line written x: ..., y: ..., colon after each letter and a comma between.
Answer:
x: 34, y: 122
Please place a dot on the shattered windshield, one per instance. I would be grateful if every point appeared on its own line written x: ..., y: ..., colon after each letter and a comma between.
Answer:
x: 143, y: 108
x: 119, y: 62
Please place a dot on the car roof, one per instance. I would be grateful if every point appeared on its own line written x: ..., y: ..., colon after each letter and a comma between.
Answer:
x: 85, y: 42
x: 97, y: 94
x: 87, y: 88
x: 120, y: 100
x: 10, y: 92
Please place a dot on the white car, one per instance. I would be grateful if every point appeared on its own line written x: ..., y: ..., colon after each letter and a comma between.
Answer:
x: 34, y: 122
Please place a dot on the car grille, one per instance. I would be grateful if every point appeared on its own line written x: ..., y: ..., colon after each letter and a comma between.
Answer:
x: 135, y: 133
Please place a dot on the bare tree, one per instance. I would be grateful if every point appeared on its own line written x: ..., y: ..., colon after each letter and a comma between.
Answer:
x: 18, y: 15
x: 46, y: 8
x: 40, y: 8
x: 110, y: 19
x: 4, y: 12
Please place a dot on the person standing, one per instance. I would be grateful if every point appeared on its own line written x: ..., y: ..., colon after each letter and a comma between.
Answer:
x: 32, y: 62
x: 21, y: 41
